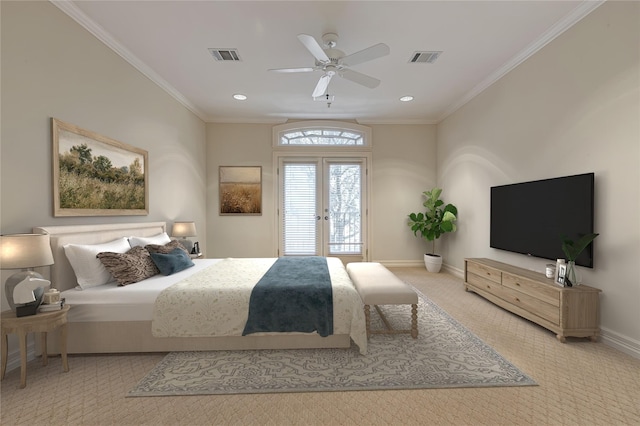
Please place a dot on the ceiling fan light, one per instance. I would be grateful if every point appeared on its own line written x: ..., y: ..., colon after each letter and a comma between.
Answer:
x: 406, y: 98
x: 240, y: 97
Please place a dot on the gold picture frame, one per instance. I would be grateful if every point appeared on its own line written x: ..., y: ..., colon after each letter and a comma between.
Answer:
x: 94, y: 175
x: 240, y: 189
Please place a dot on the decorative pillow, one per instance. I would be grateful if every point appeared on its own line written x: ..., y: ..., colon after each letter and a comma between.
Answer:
x: 130, y: 267
x: 166, y: 248
x: 161, y: 239
x: 90, y: 272
x: 172, y: 262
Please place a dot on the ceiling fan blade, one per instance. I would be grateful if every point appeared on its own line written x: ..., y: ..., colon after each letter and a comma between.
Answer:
x: 312, y: 46
x: 358, y: 77
x: 304, y: 69
x: 374, y: 52
x: 322, y: 85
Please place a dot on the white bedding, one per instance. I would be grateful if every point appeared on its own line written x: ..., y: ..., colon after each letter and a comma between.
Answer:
x: 133, y: 302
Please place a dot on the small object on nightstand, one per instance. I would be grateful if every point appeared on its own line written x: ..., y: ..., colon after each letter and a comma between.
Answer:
x: 51, y: 296
x: 48, y: 307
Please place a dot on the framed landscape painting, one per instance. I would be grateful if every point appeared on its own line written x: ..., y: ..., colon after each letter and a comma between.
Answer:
x: 240, y: 190
x: 94, y: 175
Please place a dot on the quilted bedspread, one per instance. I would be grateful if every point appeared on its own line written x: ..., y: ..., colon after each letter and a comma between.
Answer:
x: 215, y: 301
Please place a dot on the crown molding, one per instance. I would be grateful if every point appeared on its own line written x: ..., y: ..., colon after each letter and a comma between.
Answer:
x: 70, y: 9
x: 585, y: 8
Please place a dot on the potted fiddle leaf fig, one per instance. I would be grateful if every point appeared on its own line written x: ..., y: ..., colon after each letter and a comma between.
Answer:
x: 437, y: 219
x: 572, y: 250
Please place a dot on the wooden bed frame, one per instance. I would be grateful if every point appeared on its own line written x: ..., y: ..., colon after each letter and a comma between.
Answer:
x: 135, y: 336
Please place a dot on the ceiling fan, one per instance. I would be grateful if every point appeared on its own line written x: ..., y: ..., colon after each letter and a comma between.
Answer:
x: 332, y: 61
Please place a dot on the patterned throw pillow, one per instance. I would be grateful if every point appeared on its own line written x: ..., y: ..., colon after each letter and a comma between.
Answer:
x: 130, y: 267
x: 167, y: 248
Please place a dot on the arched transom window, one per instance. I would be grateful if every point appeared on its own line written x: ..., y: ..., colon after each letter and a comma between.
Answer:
x: 321, y: 133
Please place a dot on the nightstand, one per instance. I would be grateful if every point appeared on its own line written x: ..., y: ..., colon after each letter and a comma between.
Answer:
x: 40, y: 322
x: 195, y: 255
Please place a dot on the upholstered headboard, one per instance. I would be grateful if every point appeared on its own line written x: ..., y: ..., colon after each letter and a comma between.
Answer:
x: 62, y: 275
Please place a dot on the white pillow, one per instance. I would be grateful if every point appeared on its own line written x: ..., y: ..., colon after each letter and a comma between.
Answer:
x: 89, y: 270
x: 160, y: 239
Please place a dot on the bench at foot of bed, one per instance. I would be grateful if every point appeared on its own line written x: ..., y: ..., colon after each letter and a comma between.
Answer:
x: 379, y: 286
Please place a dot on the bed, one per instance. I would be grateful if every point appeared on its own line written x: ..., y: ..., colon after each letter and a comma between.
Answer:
x: 119, y: 319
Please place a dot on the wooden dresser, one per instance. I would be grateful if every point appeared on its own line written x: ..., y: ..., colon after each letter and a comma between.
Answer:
x: 567, y: 311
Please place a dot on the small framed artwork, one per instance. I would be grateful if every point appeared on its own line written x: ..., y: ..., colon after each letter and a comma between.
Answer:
x: 240, y: 190
x: 94, y: 175
x: 561, y: 274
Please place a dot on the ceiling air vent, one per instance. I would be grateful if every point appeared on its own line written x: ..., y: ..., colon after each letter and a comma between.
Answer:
x: 424, y: 57
x: 225, y: 54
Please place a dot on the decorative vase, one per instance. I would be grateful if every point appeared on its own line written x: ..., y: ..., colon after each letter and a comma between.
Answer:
x: 432, y: 262
x: 573, y: 274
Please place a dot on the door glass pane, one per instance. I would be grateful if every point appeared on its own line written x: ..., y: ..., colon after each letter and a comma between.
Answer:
x: 299, y: 209
x: 345, y: 209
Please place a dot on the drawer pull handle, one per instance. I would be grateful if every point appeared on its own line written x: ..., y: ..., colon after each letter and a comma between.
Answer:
x: 489, y: 287
x: 517, y: 300
x: 518, y: 284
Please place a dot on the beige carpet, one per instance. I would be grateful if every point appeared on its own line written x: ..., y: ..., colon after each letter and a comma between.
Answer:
x: 580, y: 383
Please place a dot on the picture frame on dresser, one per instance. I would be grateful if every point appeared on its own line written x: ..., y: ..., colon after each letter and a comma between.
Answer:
x: 561, y: 273
x: 94, y: 175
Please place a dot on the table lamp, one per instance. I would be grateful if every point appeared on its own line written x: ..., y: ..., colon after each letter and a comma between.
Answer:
x: 184, y: 230
x: 25, y: 251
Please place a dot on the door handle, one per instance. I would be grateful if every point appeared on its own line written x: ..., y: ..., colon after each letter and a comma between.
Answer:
x: 318, y: 218
x: 326, y: 218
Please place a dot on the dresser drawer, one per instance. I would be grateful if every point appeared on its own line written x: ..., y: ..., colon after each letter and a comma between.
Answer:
x: 531, y: 304
x: 482, y: 282
x: 538, y: 290
x: 484, y: 271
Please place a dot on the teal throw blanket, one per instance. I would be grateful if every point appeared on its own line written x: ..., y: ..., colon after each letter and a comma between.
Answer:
x: 295, y: 294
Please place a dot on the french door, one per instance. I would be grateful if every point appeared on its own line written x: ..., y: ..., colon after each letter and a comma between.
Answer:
x: 322, y: 207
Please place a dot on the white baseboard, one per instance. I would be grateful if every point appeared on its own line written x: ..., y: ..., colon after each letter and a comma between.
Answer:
x: 453, y: 270
x: 622, y: 343
x: 401, y: 263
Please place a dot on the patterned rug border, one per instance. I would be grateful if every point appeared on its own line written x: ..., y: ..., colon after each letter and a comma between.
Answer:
x: 144, y: 388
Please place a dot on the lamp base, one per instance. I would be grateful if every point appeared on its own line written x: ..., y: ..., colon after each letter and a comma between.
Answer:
x: 187, y: 244
x: 14, y: 280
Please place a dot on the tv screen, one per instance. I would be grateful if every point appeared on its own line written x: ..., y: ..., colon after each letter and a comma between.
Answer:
x: 533, y: 218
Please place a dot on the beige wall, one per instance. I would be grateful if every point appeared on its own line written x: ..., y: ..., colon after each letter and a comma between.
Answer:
x: 572, y: 108
x: 403, y: 166
x: 52, y: 67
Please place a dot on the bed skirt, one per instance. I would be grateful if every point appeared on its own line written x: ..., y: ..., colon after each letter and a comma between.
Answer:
x: 135, y: 337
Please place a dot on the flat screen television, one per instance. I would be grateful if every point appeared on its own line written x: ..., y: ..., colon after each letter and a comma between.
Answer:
x: 533, y: 218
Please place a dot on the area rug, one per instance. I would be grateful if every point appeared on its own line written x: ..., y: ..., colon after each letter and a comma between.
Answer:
x: 445, y: 355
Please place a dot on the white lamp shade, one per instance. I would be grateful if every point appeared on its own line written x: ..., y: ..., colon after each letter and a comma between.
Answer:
x: 184, y: 229
x: 21, y: 251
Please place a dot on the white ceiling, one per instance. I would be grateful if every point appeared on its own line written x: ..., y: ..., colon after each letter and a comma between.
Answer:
x: 480, y: 40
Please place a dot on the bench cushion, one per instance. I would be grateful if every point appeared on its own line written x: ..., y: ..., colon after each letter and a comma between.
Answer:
x: 379, y: 286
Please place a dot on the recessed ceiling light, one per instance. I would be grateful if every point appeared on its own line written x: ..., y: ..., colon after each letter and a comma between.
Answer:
x: 406, y: 98
x: 240, y: 97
